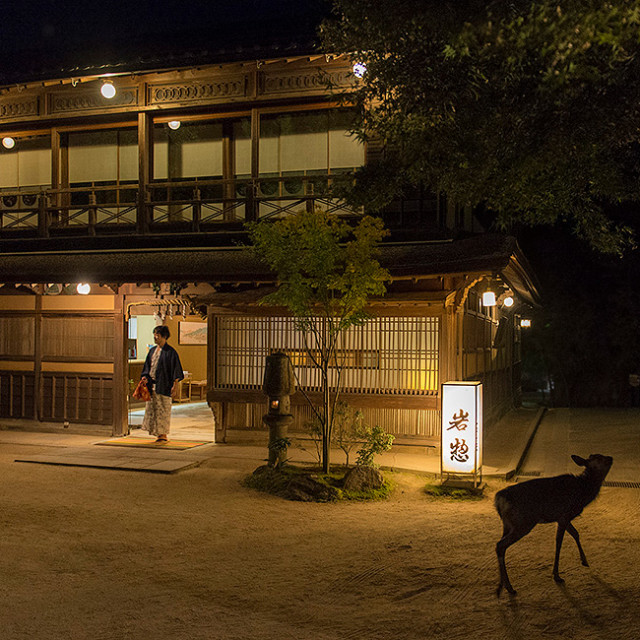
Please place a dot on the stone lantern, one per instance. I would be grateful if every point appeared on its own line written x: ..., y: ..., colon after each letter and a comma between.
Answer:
x: 278, y: 384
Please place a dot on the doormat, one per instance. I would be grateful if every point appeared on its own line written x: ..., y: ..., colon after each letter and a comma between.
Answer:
x: 150, y: 443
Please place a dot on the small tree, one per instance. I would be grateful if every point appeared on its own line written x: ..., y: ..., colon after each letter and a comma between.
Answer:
x: 327, y: 272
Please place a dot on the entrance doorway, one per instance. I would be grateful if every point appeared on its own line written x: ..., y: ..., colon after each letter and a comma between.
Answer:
x: 191, y: 421
x: 191, y: 417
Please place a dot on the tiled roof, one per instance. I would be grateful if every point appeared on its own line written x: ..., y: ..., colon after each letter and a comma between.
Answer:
x: 486, y: 252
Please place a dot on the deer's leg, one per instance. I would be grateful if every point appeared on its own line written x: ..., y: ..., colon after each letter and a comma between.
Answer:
x: 559, y: 536
x: 576, y: 536
x: 509, y: 536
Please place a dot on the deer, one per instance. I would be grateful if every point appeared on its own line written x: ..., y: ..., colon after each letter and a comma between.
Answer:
x: 557, y: 499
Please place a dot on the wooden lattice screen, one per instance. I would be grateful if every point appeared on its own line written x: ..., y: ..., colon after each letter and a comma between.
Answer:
x: 383, y: 356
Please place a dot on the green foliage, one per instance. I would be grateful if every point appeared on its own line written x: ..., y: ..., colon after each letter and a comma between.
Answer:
x: 327, y: 271
x: 454, y: 493
x: 280, y: 446
x: 348, y: 427
x: 376, y: 441
x: 529, y: 107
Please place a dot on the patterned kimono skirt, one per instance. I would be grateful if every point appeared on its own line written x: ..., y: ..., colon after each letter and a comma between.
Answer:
x: 157, y: 415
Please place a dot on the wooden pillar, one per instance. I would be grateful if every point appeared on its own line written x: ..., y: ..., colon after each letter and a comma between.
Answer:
x: 217, y: 408
x: 120, y: 368
x: 37, y: 358
x: 145, y: 169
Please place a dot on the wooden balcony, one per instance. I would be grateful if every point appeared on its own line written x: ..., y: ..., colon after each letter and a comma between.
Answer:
x: 161, y: 207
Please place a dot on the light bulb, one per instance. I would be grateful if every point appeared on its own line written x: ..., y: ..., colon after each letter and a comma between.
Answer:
x: 359, y: 69
x: 108, y: 90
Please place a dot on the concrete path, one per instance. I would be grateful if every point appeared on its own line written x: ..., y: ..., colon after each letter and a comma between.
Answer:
x: 562, y: 432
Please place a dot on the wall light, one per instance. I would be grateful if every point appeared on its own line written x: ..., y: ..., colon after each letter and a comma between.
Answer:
x: 83, y: 288
x: 173, y: 124
x: 508, y: 301
x: 488, y: 299
x: 8, y: 143
x: 108, y: 90
x: 525, y: 323
x: 359, y: 69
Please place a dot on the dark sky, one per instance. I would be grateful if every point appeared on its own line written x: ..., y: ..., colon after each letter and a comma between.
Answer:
x: 39, y: 38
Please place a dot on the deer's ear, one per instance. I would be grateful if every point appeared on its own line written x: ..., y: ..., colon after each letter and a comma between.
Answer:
x: 581, y: 462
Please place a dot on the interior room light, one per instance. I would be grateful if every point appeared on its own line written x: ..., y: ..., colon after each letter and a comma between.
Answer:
x: 359, y: 69
x: 83, y: 288
x: 489, y: 299
x: 8, y: 143
x: 525, y: 323
x: 508, y: 301
x: 173, y: 124
x: 108, y: 90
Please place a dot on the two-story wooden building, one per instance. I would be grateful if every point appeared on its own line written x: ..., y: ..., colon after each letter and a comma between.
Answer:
x: 142, y: 197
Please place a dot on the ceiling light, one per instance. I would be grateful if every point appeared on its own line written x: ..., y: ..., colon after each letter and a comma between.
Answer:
x: 508, y: 301
x: 173, y: 124
x: 83, y: 288
x: 8, y: 143
x: 108, y: 90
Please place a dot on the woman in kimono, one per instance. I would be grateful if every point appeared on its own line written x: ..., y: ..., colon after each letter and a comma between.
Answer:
x: 161, y: 372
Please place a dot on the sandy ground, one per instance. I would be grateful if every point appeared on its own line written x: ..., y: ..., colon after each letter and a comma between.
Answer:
x: 96, y: 554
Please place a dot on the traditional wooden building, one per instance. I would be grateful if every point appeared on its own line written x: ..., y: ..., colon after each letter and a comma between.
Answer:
x: 142, y: 198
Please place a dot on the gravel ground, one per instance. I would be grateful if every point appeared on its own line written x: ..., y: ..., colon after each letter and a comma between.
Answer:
x: 88, y: 553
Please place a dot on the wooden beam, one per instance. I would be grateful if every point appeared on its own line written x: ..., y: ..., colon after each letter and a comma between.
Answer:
x: 120, y: 366
x: 145, y: 168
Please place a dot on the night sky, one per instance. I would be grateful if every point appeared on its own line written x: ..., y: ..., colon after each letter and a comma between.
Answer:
x: 42, y: 39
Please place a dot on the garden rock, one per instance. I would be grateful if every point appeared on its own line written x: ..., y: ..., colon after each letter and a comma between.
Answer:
x: 363, y: 478
x: 307, y: 489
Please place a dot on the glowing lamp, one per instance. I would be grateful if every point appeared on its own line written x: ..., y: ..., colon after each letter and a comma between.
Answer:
x: 359, y: 69
x: 525, y: 323
x: 173, y: 124
x: 489, y: 299
x: 83, y: 288
x: 8, y: 143
x: 508, y: 301
x: 462, y: 430
x: 108, y: 90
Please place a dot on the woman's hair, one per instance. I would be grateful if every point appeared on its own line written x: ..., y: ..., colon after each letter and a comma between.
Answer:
x: 163, y: 331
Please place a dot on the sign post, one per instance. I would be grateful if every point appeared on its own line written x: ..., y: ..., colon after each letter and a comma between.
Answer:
x: 462, y: 431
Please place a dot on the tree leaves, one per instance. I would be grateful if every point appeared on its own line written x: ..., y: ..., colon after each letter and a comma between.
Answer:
x: 530, y: 108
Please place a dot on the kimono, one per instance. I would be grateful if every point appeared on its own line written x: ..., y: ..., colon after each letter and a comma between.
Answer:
x: 157, y: 414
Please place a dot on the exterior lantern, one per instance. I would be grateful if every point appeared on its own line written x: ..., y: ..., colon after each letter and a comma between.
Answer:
x: 173, y: 124
x: 462, y: 431
x: 489, y: 299
x: 525, y: 323
x: 359, y: 69
x: 508, y: 301
x: 108, y: 90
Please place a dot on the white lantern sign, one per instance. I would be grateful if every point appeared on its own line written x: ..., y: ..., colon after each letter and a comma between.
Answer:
x: 461, y: 453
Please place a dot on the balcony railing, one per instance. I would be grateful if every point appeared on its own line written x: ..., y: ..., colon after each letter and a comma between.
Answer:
x: 162, y: 206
